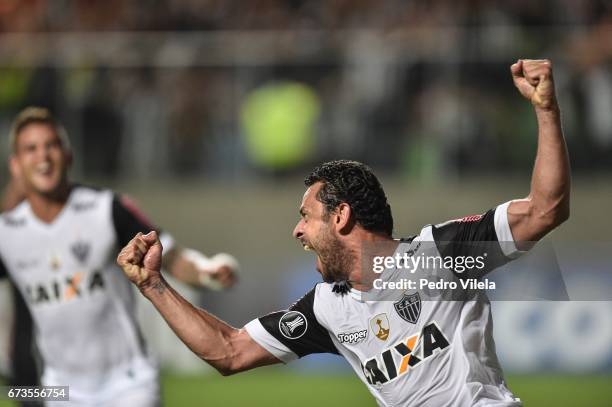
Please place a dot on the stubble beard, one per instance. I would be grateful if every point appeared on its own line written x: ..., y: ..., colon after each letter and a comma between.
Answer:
x: 336, y: 259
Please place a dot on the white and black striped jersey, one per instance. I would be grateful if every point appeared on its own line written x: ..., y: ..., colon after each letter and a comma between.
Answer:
x: 416, y: 350
x: 82, y: 305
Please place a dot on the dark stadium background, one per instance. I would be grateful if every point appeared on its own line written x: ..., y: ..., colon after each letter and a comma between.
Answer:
x: 210, y: 114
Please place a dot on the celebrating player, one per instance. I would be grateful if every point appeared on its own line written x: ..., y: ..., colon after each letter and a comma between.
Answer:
x: 58, y: 246
x: 408, y: 352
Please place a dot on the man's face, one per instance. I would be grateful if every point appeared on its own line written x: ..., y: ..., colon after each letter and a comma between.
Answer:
x: 315, y: 232
x: 40, y: 160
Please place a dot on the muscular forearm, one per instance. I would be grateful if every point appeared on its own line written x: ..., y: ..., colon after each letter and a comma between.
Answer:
x: 227, y: 349
x: 550, y: 182
x: 206, y: 336
x: 547, y: 205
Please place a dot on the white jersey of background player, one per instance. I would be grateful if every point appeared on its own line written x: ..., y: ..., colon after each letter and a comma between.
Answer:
x: 59, y: 247
x: 439, y: 353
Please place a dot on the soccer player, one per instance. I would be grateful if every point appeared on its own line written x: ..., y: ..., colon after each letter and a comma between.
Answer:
x: 59, y: 246
x: 408, y: 352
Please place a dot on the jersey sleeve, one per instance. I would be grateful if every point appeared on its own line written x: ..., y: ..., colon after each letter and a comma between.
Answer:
x: 3, y: 272
x: 487, y: 235
x: 128, y: 220
x: 292, y: 333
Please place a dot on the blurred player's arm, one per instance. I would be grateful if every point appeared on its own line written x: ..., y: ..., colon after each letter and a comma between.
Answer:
x: 194, y: 268
x: 548, y: 202
x: 227, y: 349
x: 186, y: 265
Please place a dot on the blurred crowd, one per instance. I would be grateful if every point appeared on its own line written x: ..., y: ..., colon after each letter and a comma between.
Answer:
x: 228, y: 89
x: 119, y: 15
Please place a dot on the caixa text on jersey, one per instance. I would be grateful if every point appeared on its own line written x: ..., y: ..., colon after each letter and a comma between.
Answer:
x: 65, y: 288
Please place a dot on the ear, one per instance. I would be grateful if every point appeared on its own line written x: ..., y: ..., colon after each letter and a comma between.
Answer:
x: 342, y: 216
x: 14, y: 167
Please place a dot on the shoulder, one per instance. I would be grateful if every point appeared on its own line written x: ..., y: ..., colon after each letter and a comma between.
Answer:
x: 84, y: 197
x: 323, y: 295
x: 330, y: 307
x: 15, y: 217
x: 425, y: 234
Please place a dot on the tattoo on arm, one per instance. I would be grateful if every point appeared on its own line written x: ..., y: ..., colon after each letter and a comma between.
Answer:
x: 160, y: 287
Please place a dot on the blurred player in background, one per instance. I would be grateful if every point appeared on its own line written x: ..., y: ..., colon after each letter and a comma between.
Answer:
x: 23, y: 365
x: 408, y: 353
x: 58, y: 247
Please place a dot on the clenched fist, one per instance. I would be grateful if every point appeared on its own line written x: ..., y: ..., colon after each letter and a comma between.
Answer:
x: 533, y: 78
x: 141, y: 259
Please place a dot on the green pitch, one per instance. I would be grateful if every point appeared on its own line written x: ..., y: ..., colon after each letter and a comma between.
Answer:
x: 278, y: 386
x: 282, y: 386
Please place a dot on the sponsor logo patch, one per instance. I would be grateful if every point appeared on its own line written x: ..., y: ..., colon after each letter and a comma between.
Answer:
x: 293, y: 325
x: 400, y: 358
x: 353, y: 337
x: 64, y: 289
x: 14, y: 222
x: 83, y: 206
x: 471, y: 218
x: 380, y: 326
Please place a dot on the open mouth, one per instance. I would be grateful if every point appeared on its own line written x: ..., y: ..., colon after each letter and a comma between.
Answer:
x: 44, y: 169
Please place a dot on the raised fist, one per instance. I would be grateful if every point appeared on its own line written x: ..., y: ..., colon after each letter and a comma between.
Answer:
x: 140, y: 259
x: 533, y: 78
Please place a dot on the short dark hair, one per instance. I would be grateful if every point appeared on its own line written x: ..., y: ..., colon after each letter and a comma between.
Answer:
x: 355, y: 184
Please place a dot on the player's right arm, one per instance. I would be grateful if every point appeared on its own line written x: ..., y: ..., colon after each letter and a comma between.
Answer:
x: 227, y: 349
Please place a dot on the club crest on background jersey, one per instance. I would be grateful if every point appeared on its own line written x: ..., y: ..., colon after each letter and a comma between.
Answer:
x: 80, y: 250
x: 409, y: 307
x: 380, y: 327
x: 293, y: 325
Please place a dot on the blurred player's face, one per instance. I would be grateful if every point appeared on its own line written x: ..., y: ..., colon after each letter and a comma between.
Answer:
x: 40, y: 160
x: 316, y: 233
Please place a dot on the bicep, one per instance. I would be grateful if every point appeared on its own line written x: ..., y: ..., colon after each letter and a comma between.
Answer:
x: 524, y: 226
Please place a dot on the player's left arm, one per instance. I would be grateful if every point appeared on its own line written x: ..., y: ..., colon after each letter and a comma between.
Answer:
x: 186, y: 265
x: 548, y: 202
x: 194, y: 268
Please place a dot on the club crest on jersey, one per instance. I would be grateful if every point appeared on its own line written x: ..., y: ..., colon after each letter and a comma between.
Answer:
x: 409, y: 307
x: 380, y: 326
x: 80, y: 250
x: 293, y: 325
x: 404, y: 355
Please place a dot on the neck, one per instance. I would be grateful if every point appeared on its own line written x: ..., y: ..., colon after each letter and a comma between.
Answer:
x: 47, y: 207
x: 363, y: 248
